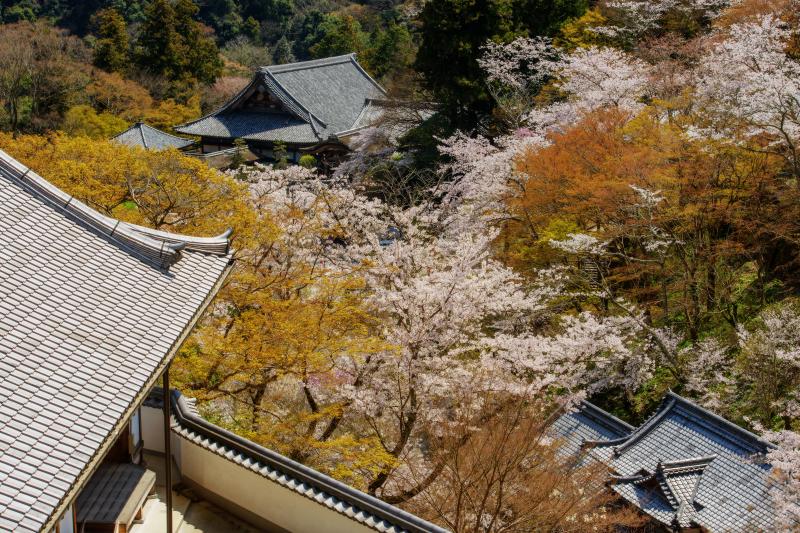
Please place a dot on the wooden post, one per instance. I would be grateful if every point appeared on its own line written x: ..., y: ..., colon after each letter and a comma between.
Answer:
x: 167, y: 447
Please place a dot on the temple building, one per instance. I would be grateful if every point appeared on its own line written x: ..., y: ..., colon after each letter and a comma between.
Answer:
x: 150, y: 138
x: 313, y: 107
x: 92, y: 312
x: 685, y: 467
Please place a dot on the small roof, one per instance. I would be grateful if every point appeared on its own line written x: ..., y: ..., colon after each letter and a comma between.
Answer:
x: 150, y: 138
x: 684, y: 466
x: 321, y: 98
x: 91, y: 311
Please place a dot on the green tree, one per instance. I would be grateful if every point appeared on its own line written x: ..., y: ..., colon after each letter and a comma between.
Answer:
x: 340, y: 34
x: 453, y: 34
x: 158, y: 45
x: 252, y: 29
x: 282, y: 53
x: 390, y: 50
x: 171, y: 44
x: 26, y: 10
x: 111, y: 50
x: 201, y: 56
x: 305, y: 31
x: 224, y: 16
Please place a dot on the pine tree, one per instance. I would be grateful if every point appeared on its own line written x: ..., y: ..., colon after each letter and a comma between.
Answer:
x: 200, y: 54
x: 282, y: 52
x: 111, y: 50
x: 159, y: 47
x: 171, y: 44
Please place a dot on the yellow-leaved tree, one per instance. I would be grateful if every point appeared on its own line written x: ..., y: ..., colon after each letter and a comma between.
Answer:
x: 279, y: 315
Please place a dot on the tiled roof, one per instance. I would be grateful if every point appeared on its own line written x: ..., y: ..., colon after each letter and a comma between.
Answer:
x: 683, y: 466
x: 322, y: 98
x: 326, y: 491
x: 255, y: 127
x: 91, y: 310
x: 144, y: 136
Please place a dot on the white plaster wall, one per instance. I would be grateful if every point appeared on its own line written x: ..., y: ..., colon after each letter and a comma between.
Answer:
x: 244, y: 488
x: 153, y: 429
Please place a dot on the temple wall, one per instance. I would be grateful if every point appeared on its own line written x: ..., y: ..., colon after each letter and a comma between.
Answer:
x: 242, y: 492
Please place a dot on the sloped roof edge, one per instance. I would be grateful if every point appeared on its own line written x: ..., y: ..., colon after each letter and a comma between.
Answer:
x: 266, y: 75
x: 141, y: 127
x: 325, y: 490
x: 156, y: 246
x: 314, y: 63
x: 724, y: 428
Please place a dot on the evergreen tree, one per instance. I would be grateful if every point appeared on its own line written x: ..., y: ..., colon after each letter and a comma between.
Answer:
x: 252, y: 29
x: 201, y: 56
x: 224, y: 16
x: 283, y: 52
x: 453, y: 34
x: 390, y: 50
x: 171, y: 44
x: 340, y: 34
x: 305, y: 31
x: 159, y: 44
x: 111, y: 50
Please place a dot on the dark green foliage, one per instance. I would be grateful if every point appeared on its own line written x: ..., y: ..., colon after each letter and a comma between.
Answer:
x: 305, y: 31
x: 158, y: 48
x: 390, y: 50
x: 282, y: 53
x: 340, y: 34
x: 19, y: 11
x: 545, y: 17
x: 202, y: 59
x: 453, y: 33
x: 171, y: 44
x: 224, y: 16
x: 111, y: 49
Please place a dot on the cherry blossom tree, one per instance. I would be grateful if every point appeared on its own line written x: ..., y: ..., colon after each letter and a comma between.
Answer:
x: 590, y: 78
x: 633, y: 18
x: 785, y: 461
x: 456, y: 334
x: 749, y: 89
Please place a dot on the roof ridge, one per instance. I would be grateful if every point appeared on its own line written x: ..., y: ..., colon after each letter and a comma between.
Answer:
x: 235, y: 98
x: 651, y: 422
x: 218, y: 245
x: 162, y: 132
x: 311, y: 63
x: 603, y: 416
x: 159, y: 247
x: 142, y: 127
x: 323, y: 62
x: 285, y: 95
x: 735, y: 430
x: 141, y: 134
x: 690, y: 463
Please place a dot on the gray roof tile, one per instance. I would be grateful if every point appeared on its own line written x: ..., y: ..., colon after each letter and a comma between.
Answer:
x: 84, y: 301
x: 683, y: 465
x: 144, y: 136
x: 320, y: 99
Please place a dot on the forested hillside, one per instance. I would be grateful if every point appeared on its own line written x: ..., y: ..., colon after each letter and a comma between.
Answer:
x: 93, y: 67
x: 603, y: 206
